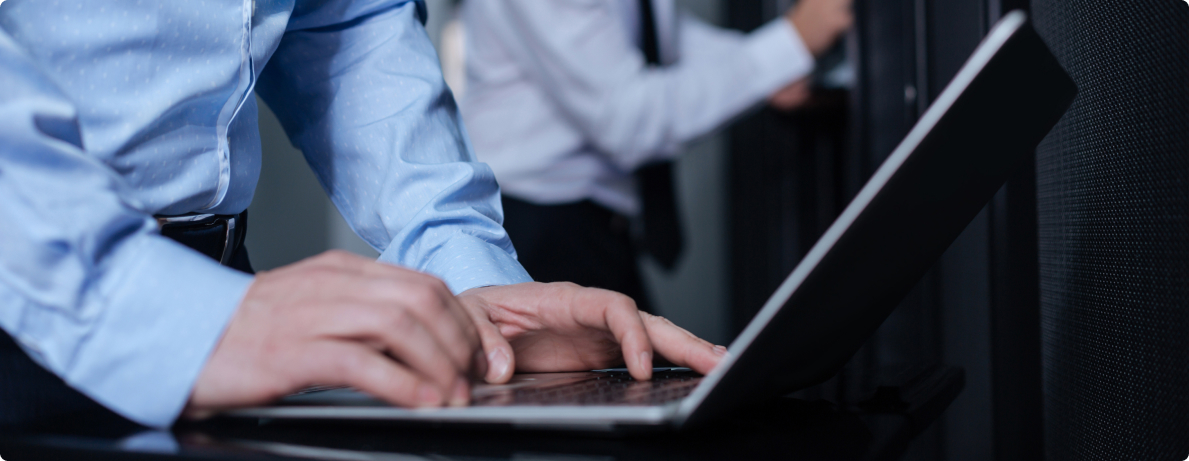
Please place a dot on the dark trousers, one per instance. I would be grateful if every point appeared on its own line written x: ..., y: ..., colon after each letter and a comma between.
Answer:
x: 582, y: 242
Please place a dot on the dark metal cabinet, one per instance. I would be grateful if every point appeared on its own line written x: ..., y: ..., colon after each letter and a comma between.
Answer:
x: 791, y: 174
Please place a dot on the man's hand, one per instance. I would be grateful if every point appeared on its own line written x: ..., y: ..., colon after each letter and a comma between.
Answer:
x: 340, y: 319
x: 820, y: 22
x: 538, y: 327
x: 399, y: 335
x: 792, y: 96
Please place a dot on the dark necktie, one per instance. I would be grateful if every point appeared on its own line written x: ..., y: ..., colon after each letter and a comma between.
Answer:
x: 662, y: 226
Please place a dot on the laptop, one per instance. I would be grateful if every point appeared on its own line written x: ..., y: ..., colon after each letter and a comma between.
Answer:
x: 1003, y: 101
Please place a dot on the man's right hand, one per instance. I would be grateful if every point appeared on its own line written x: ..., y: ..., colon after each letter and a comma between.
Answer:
x: 341, y: 319
x: 820, y: 22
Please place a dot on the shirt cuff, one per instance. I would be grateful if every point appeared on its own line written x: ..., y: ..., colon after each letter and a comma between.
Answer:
x: 779, y: 54
x: 466, y: 262
x: 165, y: 312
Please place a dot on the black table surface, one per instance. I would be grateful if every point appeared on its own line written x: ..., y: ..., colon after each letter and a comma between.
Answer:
x: 880, y: 426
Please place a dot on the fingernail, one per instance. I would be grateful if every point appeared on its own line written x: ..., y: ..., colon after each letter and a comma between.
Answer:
x: 498, y: 361
x: 429, y: 395
x: 720, y: 351
x: 646, y: 360
x: 462, y: 394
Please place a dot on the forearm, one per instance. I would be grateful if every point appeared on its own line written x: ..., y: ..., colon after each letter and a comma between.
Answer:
x: 392, y: 152
x: 87, y: 286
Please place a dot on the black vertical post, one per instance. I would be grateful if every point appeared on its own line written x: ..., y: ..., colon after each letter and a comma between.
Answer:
x: 1017, y: 387
x: 791, y: 174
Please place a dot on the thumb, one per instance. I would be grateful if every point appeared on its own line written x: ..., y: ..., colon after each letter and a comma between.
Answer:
x: 497, y: 352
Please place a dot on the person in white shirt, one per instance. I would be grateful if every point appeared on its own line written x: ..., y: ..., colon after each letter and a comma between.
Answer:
x: 571, y: 101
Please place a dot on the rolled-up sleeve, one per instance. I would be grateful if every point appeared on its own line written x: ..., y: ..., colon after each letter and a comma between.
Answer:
x: 88, y: 287
x: 359, y: 90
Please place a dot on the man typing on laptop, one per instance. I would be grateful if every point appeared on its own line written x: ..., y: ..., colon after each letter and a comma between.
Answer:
x: 342, y: 320
x: 129, y: 122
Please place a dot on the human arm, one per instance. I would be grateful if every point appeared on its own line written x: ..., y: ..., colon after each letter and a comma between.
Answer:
x: 819, y: 22
x: 88, y: 287
x: 397, y: 334
x: 358, y: 88
x: 580, y: 56
x: 337, y: 319
x: 341, y: 319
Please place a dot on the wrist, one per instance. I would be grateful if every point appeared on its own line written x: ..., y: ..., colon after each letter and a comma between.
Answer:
x: 808, y: 34
x: 476, y: 292
x: 477, y: 298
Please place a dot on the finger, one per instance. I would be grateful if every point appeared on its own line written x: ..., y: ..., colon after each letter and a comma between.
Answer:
x: 450, y: 324
x: 384, y: 323
x: 437, y: 309
x: 498, y: 360
x: 621, y: 318
x: 345, y: 363
x: 363, y: 293
x: 680, y: 346
x: 407, y: 339
x: 438, y: 287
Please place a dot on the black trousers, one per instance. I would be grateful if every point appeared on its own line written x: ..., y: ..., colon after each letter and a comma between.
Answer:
x: 582, y: 242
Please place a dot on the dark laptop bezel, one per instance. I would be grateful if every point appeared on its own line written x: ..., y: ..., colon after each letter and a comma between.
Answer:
x: 1002, y: 103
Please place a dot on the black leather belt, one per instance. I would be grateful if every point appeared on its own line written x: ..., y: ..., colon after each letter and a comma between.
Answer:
x: 217, y: 236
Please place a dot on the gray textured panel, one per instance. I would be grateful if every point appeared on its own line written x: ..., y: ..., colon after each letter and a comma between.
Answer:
x: 1113, y: 184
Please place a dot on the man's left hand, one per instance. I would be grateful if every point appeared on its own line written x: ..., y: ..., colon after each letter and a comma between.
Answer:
x: 546, y: 327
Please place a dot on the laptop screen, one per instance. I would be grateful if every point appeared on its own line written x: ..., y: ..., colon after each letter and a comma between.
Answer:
x: 998, y: 108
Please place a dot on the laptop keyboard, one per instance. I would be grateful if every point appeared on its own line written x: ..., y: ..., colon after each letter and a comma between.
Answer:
x: 612, y: 387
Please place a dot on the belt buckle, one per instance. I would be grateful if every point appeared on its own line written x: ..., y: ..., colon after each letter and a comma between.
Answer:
x: 203, y: 219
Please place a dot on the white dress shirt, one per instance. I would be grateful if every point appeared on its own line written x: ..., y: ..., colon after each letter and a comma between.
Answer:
x: 562, y: 105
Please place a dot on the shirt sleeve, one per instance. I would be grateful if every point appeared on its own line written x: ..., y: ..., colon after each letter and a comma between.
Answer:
x: 88, y: 287
x: 359, y: 90
x: 580, y: 54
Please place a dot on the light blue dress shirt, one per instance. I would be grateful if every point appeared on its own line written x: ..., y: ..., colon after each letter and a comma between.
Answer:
x: 114, y: 111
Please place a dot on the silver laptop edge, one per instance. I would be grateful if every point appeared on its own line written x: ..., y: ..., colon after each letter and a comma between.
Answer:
x: 554, y: 417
